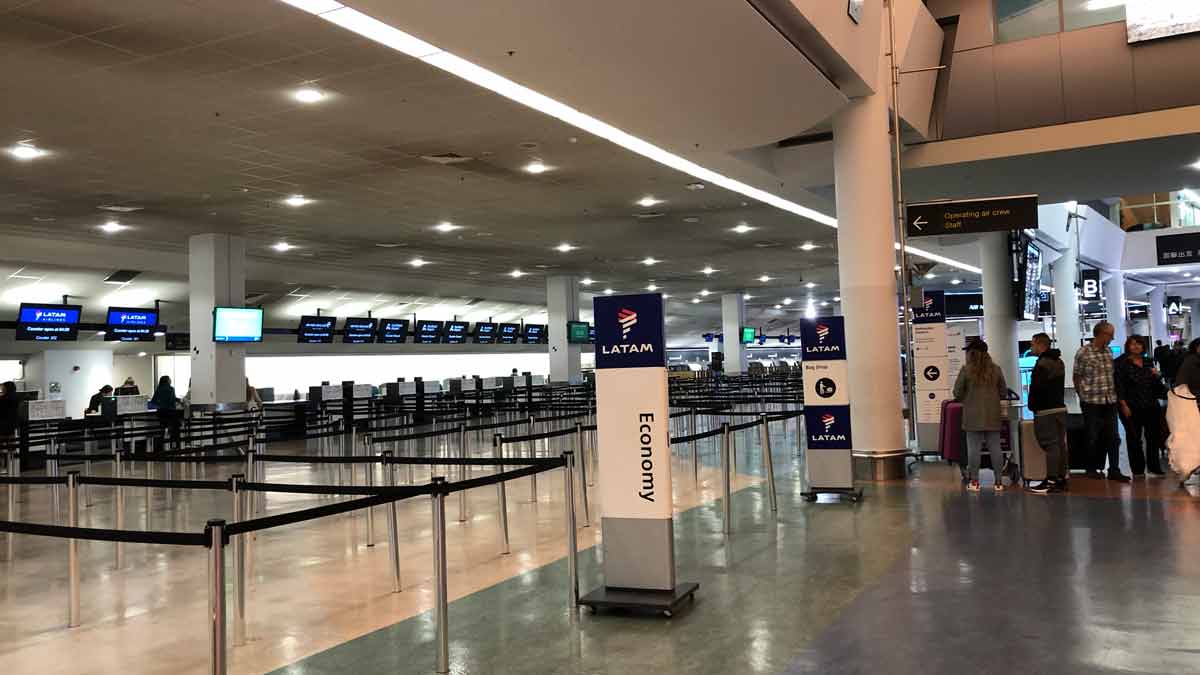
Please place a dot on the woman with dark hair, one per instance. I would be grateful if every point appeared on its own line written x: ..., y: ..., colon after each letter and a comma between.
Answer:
x: 980, y: 387
x: 10, y: 417
x: 165, y: 403
x: 1139, y: 389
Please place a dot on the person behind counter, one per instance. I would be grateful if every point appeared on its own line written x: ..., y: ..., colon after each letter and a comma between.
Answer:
x: 165, y: 404
x: 128, y: 388
x: 97, y: 398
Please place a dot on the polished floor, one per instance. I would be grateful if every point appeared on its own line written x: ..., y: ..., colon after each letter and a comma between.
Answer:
x: 919, y: 578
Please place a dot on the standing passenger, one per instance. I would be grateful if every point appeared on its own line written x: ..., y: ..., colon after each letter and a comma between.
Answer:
x: 1097, y: 392
x: 1138, y: 392
x: 1049, y: 413
x: 980, y: 387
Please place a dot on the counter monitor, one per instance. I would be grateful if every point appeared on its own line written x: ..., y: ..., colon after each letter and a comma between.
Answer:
x: 509, y: 333
x: 358, y: 331
x: 578, y: 332
x: 393, y: 331
x: 316, y: 330
x: 429, y: 332
x: 535, y: 334
x: 127, y: 324
x: 456, y: 332
x: 485, y: 333
x: 48, y: 323
x: 237, y: 324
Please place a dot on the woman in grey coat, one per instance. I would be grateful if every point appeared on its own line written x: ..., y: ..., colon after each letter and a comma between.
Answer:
x: 980, y: 388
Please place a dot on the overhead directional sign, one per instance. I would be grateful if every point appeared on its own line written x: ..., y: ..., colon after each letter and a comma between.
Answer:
x: 970, y: 216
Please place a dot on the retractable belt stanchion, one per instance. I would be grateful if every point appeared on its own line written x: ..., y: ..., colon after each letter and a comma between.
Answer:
x: 441, y: 604
x: 581, y: 459
x: 14, y: 470
x: 695, y: 450
x: 216, y: 597
x: 389, y: 472
x: 531, y: 446
x: 239, y: 561
x: 726, y: 505
x: 462, y: 472
x: 369, y: 469
x: 769, y: 462
x: 73, y: 550
x: 119, y: 506
x: 572, y: 544
x: 502, y: 494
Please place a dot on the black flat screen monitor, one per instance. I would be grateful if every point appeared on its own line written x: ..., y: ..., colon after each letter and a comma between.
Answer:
x: 48, y: 323
x: 179, y: 342
x: 535, y: 334
x: 237, y: 324
x: 578, y: 332
x: 316, y: 330
x: 130, y: 324
x: 393, y: 331
x: 429, y: 332
x: 1031, y: 299
x: 485, y: 333
x: 358, y: 331
x: 456, y: 332
x: 509, y: 332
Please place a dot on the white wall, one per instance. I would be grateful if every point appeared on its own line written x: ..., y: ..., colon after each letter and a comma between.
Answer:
x: 140, y: 368
x: 10, y: 370
x: 95, y: 369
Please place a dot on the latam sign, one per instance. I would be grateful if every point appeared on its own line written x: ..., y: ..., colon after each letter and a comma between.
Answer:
x: 823, y: 339
x: 131, y: 325
x: 629, y: 331
x: 48, y: 323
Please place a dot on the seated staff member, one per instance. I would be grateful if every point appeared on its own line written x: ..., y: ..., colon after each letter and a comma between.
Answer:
x: 94, y: 402
x: 1139, y: 389
x: 129, y: 388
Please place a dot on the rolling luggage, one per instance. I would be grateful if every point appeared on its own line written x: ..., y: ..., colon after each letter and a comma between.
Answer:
x: 1033, y: 457
x: 1077, y: 450
x: 950, y: 436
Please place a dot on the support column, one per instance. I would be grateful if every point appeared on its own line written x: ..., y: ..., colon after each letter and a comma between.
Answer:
x: 1157, y: 311
x: 1065, y: 271
x: 1114, y: 294
x: 562, y: 305
x: 1000, y: 319
x: 862, y: 161
x: 733, y: 317
x: 1194, y: 306
x: 216, y: 278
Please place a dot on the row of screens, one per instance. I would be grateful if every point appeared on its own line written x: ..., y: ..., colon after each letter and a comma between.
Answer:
x: 60, y: 323
x: 321, y: 330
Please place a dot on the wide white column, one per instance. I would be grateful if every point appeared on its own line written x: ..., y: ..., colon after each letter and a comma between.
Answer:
x: 216, y: 278
x: 862, y: 161
x: 1114, y: 294
x: 1194, y: 305
x: 1000, y: 319
x: 1157, y: 311
x: 562, y: 305
x: 733, y: 317
x: 1065, y: 271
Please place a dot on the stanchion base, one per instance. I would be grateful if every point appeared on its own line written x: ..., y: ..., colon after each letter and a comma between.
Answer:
x: 854, y: 494
x: 664, y: 602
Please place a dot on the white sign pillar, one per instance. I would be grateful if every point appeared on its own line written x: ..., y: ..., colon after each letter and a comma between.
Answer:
x: 562, y: 305
x: 216, y: 278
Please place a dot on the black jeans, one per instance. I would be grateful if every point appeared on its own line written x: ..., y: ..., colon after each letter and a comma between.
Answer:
x: 169, y: 420
x: 1100, y: 429
x: 1147, y: 422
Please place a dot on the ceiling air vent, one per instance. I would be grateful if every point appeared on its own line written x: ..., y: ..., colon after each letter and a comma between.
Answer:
x: 118, y: 208
x: 649, y: 214
x: 446, y: 158
x: 122, y: 276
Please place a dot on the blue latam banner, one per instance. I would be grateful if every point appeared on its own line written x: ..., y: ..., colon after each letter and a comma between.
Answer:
x: 828, y: 427
x: 932, y: 309
x: 629, y: 331
x: 823, y: 339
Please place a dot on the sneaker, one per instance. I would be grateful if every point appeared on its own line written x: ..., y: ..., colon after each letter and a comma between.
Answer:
x: 998, y: 487
x: 973, y: 486
x: 1041, y: 488
x: 1119, y: 477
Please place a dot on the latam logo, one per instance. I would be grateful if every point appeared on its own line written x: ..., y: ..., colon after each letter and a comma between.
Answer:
x: 822, y: 332
x: 929, y: 303
x: 828, y: 419
x: 135, y: 318
x: 628, y: 319
x: 49, y: 315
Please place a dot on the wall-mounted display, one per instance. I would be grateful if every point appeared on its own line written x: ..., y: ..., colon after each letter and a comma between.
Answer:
x: 316, y: 330
x: 578, y: 333
x: 535, y: 334
x: 129, y: 324
x: 359, y: 331
x: 1154, y: 19
x: 429, y: 332
x: 456, y: 332
x: 237, y: 324
x: 48, y: 323
x: 485, y: 333
x: 393, y: 331
x: 509, y: 332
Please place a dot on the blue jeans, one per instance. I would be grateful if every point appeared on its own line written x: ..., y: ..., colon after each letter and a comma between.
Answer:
x: 975, y: 441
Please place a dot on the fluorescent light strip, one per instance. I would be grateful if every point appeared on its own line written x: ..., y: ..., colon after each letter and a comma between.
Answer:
x: 374, y: 29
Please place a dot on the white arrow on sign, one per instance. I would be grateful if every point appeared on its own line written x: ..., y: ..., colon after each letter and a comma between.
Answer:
x: 919, y: 222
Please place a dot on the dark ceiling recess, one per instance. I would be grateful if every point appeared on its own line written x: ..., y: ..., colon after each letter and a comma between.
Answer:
x: 122, y: 277
x: 806, y: 139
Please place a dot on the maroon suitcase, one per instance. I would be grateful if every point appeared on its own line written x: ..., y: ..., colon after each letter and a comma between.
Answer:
x: 950, y: 436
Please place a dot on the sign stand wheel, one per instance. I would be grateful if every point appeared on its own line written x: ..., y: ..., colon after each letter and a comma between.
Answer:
x: 855, y: 495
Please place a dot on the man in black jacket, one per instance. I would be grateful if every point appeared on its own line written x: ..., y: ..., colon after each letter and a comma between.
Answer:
x: 1049, y: 413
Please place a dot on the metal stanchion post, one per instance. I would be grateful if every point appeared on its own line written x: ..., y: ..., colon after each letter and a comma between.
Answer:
x: 498, y: 451
x: 149, y: 476
x: 572, y: 544
x: 441, y: 605
x: 531, y: 446
x: 369, y: 468
x: 87, y: 466
x: 727, y: 525
x: 52, y: 465
x: 73, y: 550
x: 250, y: 476
x: 695, y: 450
x: 119, y: 505
x: 389, y: 472
x: 14, y: 470
x: 216, y: 597
x: 768, y: 462
x: 465, y: 453
x: 168, y: 473
x: 581, y: 460
x: 239, y: 561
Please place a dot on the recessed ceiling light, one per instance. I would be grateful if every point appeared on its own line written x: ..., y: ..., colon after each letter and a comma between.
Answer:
x: 517, y: 274
x: 308, y: 95
x: 666, y: 296
x: 587, y: 281
x: 930, y: 275
x: 100, y: 332
x: 695, y: 301
x: 418, y: 262
x: 565, y: 248
x: 112, y: 227
x: 648, y: 201
x: 824, y: 303
x: 389, y: 245
x: 651, y: 287
x: 787, y: 301
x: 282, y: 247
x: 446, y: 226
x: 778, y: 306
x: 810, y: 285
x: 536, y: 167
x: 747, y: 296
x: 1196, y: 166
x: 764, y: 278
x: 707, y: 270
x: 26, y: 151
x: 837, y: 298
x: 609, y: 291
x: 741, y: 228
x: 159, y: 333
x: 706, y: 292
x: 694, y: 186
x: 955, y: 282
x: 297, y: 200
x: 807, y: 246
x: 142, y: 354
x: 650, y: 261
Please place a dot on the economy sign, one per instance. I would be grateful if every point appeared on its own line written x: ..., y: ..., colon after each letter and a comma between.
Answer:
x: 972, y: 216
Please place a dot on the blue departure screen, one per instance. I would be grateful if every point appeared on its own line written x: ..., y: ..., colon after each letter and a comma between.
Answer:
x: 509, y: 333
x: 48, y: 323
x: 127, y: 324
x: 456, y: 332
